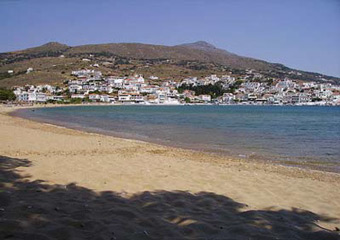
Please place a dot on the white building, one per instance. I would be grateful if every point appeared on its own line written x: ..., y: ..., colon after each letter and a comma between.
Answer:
x: 23, y: 97
x: 40, y: 97
x: 205, y: 98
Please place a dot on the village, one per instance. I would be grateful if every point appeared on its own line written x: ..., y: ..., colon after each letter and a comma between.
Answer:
x: 89, y: 86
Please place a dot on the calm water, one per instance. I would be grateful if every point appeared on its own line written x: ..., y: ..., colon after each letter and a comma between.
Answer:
x: 290, y: 134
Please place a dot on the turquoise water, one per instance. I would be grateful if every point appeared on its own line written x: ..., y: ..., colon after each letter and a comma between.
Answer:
x: 302, y: 135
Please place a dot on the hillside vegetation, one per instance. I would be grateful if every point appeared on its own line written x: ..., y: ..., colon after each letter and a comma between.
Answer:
x: 53, y: 62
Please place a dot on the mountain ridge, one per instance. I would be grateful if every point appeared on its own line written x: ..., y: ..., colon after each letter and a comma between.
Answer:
x: 201, y: 53
x: 199, y: 44
x: 49, y: 46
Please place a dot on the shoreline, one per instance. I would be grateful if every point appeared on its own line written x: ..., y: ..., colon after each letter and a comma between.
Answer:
x: 9, y: 112
x: 211, y: 155
x: 155, y: 104
x: 61, y: 156
x: 319, y: 166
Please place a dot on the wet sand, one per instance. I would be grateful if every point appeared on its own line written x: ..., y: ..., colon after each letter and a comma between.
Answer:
x: 59, y: 183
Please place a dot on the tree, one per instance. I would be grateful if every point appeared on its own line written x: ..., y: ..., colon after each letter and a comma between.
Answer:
x: 6, y: 95
x: 76, y: 100
x: 214, y: 91
x: 68, y: 93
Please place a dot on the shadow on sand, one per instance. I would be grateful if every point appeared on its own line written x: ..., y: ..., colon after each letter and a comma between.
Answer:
x: 37, y: 210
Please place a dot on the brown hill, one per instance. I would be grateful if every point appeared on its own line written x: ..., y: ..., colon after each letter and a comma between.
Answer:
x: 46, y: 48
x: 196, y: 58
x: 198, y: 51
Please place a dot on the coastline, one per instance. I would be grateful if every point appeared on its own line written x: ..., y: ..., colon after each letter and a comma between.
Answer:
x: 8, y: 111
x: 103, y: 163
x: 240, y: 156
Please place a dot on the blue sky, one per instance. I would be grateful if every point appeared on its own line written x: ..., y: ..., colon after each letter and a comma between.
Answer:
x: 303, y: 34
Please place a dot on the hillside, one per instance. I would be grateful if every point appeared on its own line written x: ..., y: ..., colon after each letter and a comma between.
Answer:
x: 191, y: 59
x: 199, y: 51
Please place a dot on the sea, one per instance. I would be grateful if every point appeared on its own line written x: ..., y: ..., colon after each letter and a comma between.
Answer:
x: 301, y: 136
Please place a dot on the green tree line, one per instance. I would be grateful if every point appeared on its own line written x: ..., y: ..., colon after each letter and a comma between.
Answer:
x: 214, y: 90
x: 6, y: 95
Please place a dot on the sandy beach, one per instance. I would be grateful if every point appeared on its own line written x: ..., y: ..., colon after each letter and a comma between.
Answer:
x: 58, y: 183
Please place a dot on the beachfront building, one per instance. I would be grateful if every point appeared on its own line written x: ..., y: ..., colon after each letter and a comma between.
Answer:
x: 205, y: 98
x: 40, y: 97
x: 22, y: 97
x: 130, y: 97
x: 249, y: 88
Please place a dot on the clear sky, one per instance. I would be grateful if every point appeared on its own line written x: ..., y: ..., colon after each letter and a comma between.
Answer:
x: 303, y: 34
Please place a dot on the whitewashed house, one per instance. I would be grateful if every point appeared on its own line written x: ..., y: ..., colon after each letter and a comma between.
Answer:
x: 40, y: 97
x: 94, y: 97
x: 205, y: 98
x: 75, y: 88
x: 23, y: 97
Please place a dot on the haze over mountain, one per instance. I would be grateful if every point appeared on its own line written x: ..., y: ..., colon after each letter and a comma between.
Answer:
x: 206, y: 57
